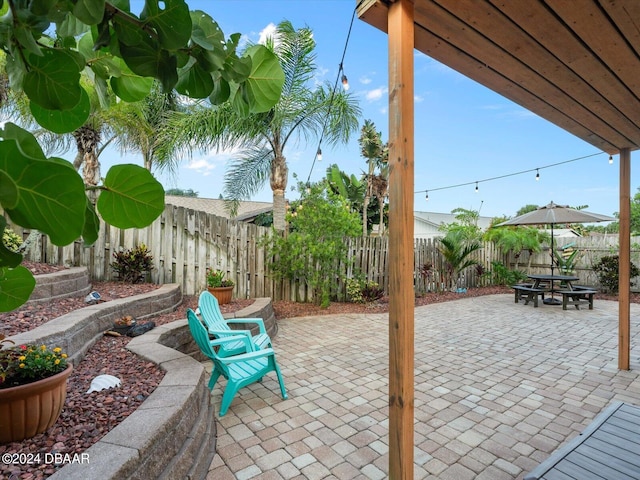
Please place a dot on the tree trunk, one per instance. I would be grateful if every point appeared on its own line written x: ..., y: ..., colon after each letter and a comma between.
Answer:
x: 381, y: 205
x: 365, y: 207
x: 278, y: 181
x: 279, y: 205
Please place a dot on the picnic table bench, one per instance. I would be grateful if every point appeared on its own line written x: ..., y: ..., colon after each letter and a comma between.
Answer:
x: 578, y: 296
x: 608, y: 449
x: 528, y: 293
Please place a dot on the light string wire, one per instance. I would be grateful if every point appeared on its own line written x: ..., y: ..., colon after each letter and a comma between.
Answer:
x: 333, y: 92
x: 537, y: 169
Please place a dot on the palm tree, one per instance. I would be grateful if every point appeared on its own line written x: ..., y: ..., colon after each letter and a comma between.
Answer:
x: 376, y: 153
x: 456, y: 250
x: 261, y: 139
x: 516, y: 239
x: 90, y: 140
x: 141, y: 124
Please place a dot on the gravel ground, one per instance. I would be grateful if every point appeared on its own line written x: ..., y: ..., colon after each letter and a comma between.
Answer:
x: 87, y: 417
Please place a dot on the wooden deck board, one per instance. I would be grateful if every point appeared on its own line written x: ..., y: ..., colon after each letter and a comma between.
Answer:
x: 608, y: 449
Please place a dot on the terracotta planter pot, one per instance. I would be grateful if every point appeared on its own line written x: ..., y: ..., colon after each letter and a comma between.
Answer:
x: 223, y: 294
x: 30, y: 409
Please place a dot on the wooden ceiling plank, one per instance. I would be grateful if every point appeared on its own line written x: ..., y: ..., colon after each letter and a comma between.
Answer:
x: 374, y: 12
x: 534, y: 18
x: 458, y: 60
x: 595, y: 30
x: 465, y: 38
x: 520, y: 43
x: 626, y: 16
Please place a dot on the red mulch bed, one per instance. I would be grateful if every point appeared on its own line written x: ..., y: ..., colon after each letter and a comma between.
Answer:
x: 86, y: 418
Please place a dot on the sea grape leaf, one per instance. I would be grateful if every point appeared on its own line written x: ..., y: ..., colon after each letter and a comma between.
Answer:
x: 16, y: 285
x: 132, y: 197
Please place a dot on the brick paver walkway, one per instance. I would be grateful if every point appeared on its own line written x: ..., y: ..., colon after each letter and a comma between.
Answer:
x: 498, y: 387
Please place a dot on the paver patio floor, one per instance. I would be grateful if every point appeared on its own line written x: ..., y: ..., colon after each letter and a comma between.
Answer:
x: 498, y: 387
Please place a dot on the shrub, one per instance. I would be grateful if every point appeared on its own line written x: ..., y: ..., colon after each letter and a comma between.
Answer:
x: 320, y: 224
x: 361, y: 291
x: 131, y: 265
x: 608, y: 271
x: 11, y: 240
x: 501, y: 275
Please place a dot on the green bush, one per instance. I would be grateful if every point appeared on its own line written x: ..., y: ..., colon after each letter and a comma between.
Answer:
x: 11, y: 240
x: 608, y: 271
x: 131, y: 265
x: 320, y: 224
x: 360, y: 290
x: 501, y: 275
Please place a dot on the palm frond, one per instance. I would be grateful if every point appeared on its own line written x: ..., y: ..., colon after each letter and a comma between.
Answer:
x: 247, y: 172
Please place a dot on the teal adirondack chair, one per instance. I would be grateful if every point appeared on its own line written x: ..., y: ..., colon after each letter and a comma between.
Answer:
x: 239, y: 370
x: 218, y: 326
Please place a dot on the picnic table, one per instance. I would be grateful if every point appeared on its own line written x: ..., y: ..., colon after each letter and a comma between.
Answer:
x: 542, y: 284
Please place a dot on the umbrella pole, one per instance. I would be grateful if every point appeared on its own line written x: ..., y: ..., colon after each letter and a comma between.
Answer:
x: 552, y: 300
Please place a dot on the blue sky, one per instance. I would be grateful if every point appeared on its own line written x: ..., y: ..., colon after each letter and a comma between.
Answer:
x: 464, y: 133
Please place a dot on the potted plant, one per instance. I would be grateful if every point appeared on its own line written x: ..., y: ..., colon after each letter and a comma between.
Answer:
x: 220, y: 288
x: 33, y: 388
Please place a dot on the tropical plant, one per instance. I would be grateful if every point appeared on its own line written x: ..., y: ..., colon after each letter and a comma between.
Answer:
x: 179, y: 192
x: 320, y: 223
x: 347, y: 186
x: 181, y: 49
x: 261, y: 139
x: 28, y: 363
x: 566, y: 261
x: 360, y: 290
x: 516, y: 239
x: 376, y: 153
x: 456, y: 250
x: 465, y: 225
x: 131, y: 265
x: 501, y: 275
x: 608, y: 271
x: 215, y: 279
x: 11, y: 240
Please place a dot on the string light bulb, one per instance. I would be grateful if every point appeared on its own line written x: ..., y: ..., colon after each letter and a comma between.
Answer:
x: 610, y: 159
x: 537, y: 175
x: 345, y: 82
x: 427, y: 196
x: 319, y: 154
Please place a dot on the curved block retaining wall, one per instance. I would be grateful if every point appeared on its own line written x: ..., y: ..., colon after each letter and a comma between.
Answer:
x: 172, y: 434
x: 76, y: 331
x: 71, y: 282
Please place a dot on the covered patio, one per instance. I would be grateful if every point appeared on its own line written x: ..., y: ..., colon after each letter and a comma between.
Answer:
x: 498, y: 388
x: 572, y: 63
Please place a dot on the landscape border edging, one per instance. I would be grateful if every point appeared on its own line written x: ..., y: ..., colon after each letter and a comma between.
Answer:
x: 173, y: 432
x: 70, y: 282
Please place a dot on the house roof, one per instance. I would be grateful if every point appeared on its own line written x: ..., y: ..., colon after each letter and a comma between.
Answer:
x: 246, y: 210
x: 574, y: 64
x: 437, y: 219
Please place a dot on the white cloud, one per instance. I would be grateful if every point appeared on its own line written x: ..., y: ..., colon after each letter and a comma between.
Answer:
x: 418, y: 98
x: 376, y: 94
x: 211, y: 161
x: 365, y: 80
x: 268, y: 31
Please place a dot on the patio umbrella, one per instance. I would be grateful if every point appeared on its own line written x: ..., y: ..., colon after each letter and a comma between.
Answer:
x: 553, y: 214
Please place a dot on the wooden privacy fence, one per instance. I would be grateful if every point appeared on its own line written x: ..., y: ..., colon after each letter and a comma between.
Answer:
x: 591, y: 250
x: 184, y: 242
